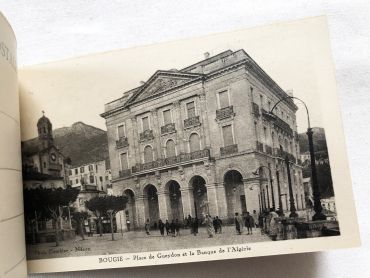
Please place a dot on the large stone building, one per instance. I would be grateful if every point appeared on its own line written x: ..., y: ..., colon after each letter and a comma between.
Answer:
x: 186, y: 142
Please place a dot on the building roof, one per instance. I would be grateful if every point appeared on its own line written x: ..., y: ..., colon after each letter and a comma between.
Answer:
x: 164, y: 81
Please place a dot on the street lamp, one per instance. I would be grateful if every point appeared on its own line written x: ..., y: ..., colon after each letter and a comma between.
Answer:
x: 315, y: 186
x: 256, y: 173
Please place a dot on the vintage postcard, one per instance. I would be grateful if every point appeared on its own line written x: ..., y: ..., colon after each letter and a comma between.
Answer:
x: 218, y: 147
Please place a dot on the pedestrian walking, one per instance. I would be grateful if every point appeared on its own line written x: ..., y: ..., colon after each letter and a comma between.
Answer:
x: 147, y: 227
x: 238, y: 223
x: 161, y: 227
x: 167, y: 226
x: 249, y: 223
x: 209, y: 224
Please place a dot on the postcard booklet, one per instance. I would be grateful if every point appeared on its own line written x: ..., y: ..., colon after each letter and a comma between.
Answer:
x: 211, y: 148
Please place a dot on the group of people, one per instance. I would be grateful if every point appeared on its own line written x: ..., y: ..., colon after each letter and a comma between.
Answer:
x: 248, y: 221
x: 265, y: 221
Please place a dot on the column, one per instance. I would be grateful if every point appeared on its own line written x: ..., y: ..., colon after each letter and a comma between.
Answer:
x: 187, y: 200
x: 157, y: 134
x: 164, y: 206
x: 212, y: 199
x: 251, y: 189
x: 203, y: 114
x: 179, y: 127
x: 135, y: 139
x: 140, y: 211
x: 121, y: 221
x: 221, y: 201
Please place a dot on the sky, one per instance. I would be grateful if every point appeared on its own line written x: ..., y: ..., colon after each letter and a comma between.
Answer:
x: 76, y: 89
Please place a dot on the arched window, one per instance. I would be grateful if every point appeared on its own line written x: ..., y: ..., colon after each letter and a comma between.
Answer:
x: 170, y: 148
x: 194, y: 142
x: 148, y: 154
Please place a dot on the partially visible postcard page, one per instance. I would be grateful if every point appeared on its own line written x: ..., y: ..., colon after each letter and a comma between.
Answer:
x: 12, y: 242
x: 193, y: 150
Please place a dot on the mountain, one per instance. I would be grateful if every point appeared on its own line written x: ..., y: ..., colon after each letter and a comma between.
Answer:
x: 80, y: 142
x: 322, y: 162
x: 319, y: 140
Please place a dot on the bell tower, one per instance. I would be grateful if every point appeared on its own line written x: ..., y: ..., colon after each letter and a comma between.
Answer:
x: 45, y: 131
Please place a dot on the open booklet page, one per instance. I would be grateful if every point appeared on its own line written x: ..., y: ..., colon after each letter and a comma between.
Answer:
x: 199, y: 149
x: 12, y: 243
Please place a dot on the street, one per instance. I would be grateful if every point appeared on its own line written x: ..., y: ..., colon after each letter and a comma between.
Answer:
x: 138, y: 241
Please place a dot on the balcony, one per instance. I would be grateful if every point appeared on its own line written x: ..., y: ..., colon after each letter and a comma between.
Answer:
x: 121, y: 142
x: 225, y: 113
x: 146, y: 135
x: 255, y: 109
x: 168, y: 129
x: 268, y: 150
x: 192, y: 122
x: 282, y: 154
x: 259, y: 146
x: 125, y: 173
x: 283, y: 126
x: 232, y: 149
x: 183, y: 158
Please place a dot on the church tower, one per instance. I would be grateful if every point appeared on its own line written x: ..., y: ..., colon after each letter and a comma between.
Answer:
x: 45, y: 130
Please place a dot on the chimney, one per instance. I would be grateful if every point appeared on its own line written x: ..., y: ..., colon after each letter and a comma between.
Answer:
x: 206, y: 55
x: 289, y: 92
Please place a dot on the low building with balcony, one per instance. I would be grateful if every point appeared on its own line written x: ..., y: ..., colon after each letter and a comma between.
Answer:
x: 195, y: 136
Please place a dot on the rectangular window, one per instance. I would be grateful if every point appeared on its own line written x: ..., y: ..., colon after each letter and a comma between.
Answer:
x: 92, y: 179
x: 76, y: 181
x: 91, y: 168
x: 227, y: 134
x: 190, y: 107
x: 76, y: 171
x: 224, y: 99
x: 70, y: 172
x: 145, y: 123
x: 121, y: 131
x: 82, y: 169
x: 167, y: 117
x: 124, y: 162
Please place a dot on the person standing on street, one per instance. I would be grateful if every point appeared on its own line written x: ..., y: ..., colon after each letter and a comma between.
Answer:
x: 255, y: 218
x: 177, y: 227
x: 195, y: 226
x: 147, y: 227
x: 249, y: 223
x: 219, y: 225
x: 167, y: 226
x: 209, y: 224
x: 161, y: 227
x: 173, y: 228
x: 238, y: 223
x: 215, y: 224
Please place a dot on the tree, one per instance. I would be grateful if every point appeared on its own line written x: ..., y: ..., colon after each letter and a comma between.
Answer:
x: 97, y: 206
x: 107, y: 205
x: 48, y: 202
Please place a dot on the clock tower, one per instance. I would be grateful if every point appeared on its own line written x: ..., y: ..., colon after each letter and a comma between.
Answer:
x: 45, y: 131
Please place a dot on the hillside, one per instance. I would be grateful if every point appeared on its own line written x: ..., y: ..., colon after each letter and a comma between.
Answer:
x: 319, y: 140
x: 80, y: 142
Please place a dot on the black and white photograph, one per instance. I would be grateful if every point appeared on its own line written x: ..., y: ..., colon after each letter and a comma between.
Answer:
x: 158, y: 149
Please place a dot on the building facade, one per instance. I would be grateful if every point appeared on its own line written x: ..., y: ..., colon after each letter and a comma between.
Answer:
x: 91, y: 174
x: 187, y: 142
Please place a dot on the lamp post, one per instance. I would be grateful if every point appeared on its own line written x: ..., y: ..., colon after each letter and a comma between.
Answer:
x: 256, y: 173
x: 280, y: 211
x: 315, y: 187
x: 293, y: 210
